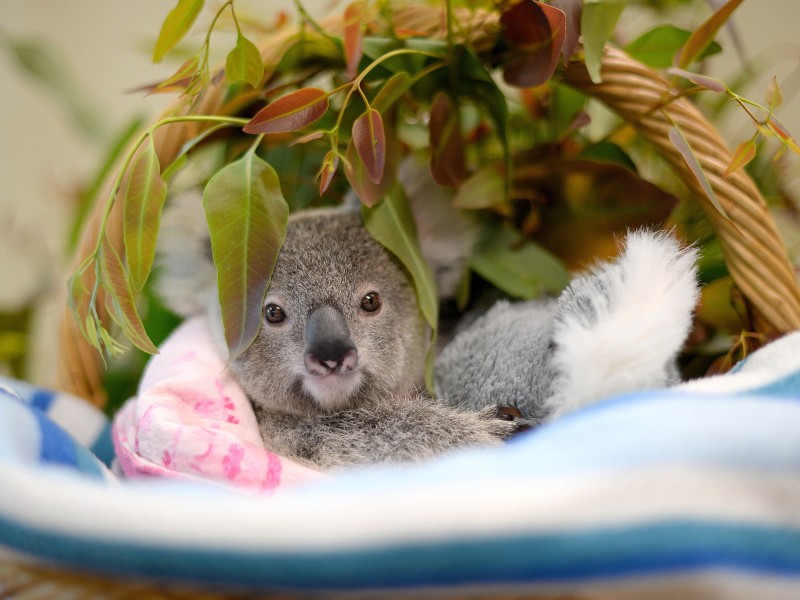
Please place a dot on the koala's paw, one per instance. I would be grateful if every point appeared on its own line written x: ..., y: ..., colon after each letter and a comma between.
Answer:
x: 503, y: 421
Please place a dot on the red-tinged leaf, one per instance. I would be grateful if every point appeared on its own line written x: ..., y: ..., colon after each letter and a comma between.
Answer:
x: 704, y: 35
x: 329, y: 165
x: 144, y: 200
x: 370, y: 143
x: 370, y: 193
x: 709, y: 83
x: 247, y: 218
x: 783, y: 134
x: 483, y: 189
x: 118, y: 287
x: 741, y: 156
x: 447, y: 147
x: 580, y: 120
x: 572, y: 13
x: 177, y: 24
x: 290, y: 112
x: 774, y: 96
x: 353, y: 18
x: 244, y: 63
x: 680, y: 143
x: 537, y: 33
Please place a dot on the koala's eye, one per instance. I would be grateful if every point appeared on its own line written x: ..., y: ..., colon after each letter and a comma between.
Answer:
x: 371, y: 302
x: 274, y: 313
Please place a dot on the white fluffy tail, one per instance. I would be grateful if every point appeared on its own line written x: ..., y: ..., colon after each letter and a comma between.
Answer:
x: 619, y: 327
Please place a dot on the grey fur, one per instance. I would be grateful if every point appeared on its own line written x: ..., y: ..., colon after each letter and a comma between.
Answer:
x: 501, y: 358
x: 617, y: 328
x: 375, y: 414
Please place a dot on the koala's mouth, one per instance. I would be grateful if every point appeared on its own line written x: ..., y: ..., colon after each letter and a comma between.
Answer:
x: 334, y: 390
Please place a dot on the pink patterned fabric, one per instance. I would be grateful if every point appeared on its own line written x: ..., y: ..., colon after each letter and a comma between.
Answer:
x: 192, y: 420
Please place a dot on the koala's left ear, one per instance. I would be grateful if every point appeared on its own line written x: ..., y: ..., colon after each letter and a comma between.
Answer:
x: 446, y: 235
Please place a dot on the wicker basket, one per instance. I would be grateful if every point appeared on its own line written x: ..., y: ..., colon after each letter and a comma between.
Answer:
x: 755, y: 254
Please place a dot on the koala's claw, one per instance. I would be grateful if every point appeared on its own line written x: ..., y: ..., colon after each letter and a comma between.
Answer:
x: 508, y: 413
x: 507, y: 419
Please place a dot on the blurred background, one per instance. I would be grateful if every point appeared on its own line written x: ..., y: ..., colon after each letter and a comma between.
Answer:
x: 70, y: 69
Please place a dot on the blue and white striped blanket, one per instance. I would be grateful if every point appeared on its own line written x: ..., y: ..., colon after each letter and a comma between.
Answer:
x: 674, y: 492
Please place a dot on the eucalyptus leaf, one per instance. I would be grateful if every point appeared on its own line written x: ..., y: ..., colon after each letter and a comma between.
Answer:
x: 119, y: 289
x: 597, y: 25
x: 682, y: 145
x: 391, y: 223
x: 701, y: 38
x: 515, y: 265
x: 244, y: 63
x: 247, y: 218
x: 177, y: 24
x: 657, y: 47
x: 144, y: 200
x: 397, y: 85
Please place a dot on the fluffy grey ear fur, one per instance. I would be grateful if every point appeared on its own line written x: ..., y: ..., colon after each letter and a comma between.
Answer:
x: 187, y: 280
x: 619, y: 327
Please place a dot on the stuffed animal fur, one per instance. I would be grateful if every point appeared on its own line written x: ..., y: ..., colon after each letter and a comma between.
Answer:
x: 617, y: 328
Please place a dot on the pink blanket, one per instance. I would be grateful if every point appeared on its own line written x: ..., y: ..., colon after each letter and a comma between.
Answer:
x: 192, y: 420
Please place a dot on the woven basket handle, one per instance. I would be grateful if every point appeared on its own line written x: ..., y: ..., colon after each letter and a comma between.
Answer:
x: 754, y: 251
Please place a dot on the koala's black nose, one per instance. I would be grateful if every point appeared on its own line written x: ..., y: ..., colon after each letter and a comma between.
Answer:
x: 328, y: 344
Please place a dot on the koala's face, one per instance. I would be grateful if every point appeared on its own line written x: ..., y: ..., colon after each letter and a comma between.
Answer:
x: 341, y: 324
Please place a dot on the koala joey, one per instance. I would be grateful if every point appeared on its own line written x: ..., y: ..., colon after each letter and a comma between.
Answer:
x: 334, y: 374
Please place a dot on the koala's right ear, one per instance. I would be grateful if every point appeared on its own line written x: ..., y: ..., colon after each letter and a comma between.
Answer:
x: 187, y: 279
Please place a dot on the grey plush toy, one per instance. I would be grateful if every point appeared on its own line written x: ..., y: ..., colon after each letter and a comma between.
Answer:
x: 615, y: 329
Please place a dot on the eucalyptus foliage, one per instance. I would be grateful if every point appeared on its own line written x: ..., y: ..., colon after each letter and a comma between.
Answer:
x: 316, y: 108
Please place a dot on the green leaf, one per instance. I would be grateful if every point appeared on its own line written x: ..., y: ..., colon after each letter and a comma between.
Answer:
x: 392, y: 225
x: 247, y: 218
x: 658, y: 47
x: 397, y: 85
x: 116, y: 284
x: 680, y: 142
x: 290, y: 112
x: 483, y: 189
x: 177, y: 24
x: 517, y: 266
x: 144, y: 200
x: 597, y: 25
x: 244, y: 63
x: 702, y: 37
